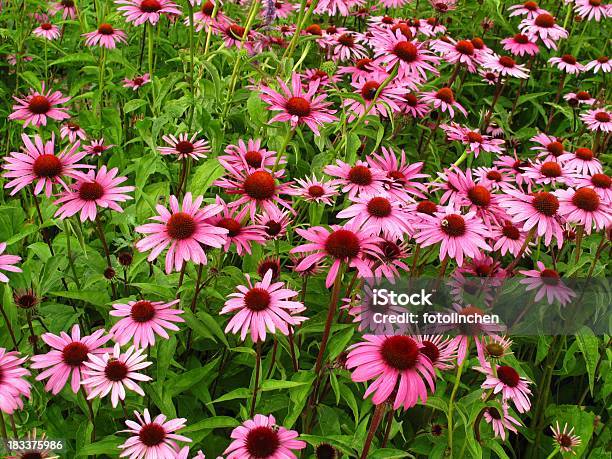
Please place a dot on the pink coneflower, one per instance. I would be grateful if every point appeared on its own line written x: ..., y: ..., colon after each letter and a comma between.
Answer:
x: 39, y: 163
x: 489, y: 77
x: 113, y: 373
x: 443, y: 6
x: 250, y: 156
x: 529, y: 9
x: 597, y: 120
x: 137, y: 82
x: 501, y: 421
x: 357, y: 179
x: 579, y: 98
x: 346, y: 47
x: 440, y: 350
x: 475, y: 141
x: 458, y: 52
x: 262, y: 306
x: 232, y: 36
x: 551, y: 148
x: 37, y: 106
x: 601, y: 183
x: 519, y: 45
x: 509, y: 238
x: 400, y: 174
x: 66, y: 7
x: 262, y: 438
x: 565, y: 439
x: 384, y: 105
x: 93, y: 190
x: 584, y: 207
x: 537, y: 210
x: 549, y: 172
x: 469, y: 331
x: 391, y: 261
x: 279, y: 9
x: 583, y: 161
x: 376, y: 215
x: 13, y: 384
x: 414, y: 60
x: 363, y: 311
x: 185, y: 147
x: 184, y: 229
x: 68, y: 357
x: 7, y: 263
x: 477, y: 197
x: 142, y: 320
x: 361, y: 68
x: 444, y: 100
x: 492, y: 177
x: 411, y: 104
x: 493, y: 348
x: 321, y: 77
x: 315, y: 190
x: 343, y: 244
x: 47, y: 31
x: 32, y: 440
x: 505, y: 66
x: 511, y: 385
x: 458, y: 235
x: 274, y: 222
x: 567, y: 63
x: 238, y: 233
x: 593, y: 9
x: 601, y: 63
x: 298, y: 106
x: 332, y: 7
x: 258, y: 189
x: 545, y: 28
x: 73, y: 131
x: 141, y: 11
x: 106, y: 36
x: 392, y: 360
x: 549, y: 284
x: 203, y: 17
x: 152, y: 438
x: 96, y: 147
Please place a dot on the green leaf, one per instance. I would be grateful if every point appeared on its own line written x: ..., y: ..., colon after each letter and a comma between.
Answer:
x: 388, y: 453
x: 81, y: 58
x: 184, y: 381
x: 337, y: 441
x: 241, y: 392
x: 205, y: 174
x: 215, y: 422
x: 95, y: 297
x: 108, y: 445
x: 437, y: 403
x: 133, y: 104
x: 497, y: 449
x: 275, y: 384
x: 589, y: 346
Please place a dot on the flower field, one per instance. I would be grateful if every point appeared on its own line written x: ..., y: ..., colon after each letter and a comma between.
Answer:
x: 203, y: 200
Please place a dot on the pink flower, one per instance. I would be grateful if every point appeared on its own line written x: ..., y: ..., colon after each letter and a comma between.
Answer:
x: 459, y: 235
x: 505, y: 66
x: 501, y: 421
x: 112, y: 373
x: 361, y: 68
x: 440, y: 351
x: 549, y: 284
x: 400, y: 174
x: 232, y: 37
x: 343, y: 244
x: 142, y: 320
x: 67, y: 8
x: 384, y: 105
x: 249, y: 156
x: 203, y: 18
x: 520, y: 45
x: 13, y: 384
x: 377, y: 215
x: 37, y: 106
x: 601, y: 63
x: 593, y: 9
x: 262, y: 438
x: 396, y: 362
x: 601, y: 183
x: 509, y: 238
x: 458, y: 52
x: 96, y: 147
x: 475, y: 141
x: 584, y: 207
x: 394, y: 48
x: 185, y: 147
x: 297, y: 106
x: 444, y: 100
x: 152, y: 438
x: 565, y: 439
x: 579, y: 98
x: 137, y: 82
x: 528, y: 9
x: 315, y: 190
x: 7, y: 263
x: 238, y: 233
x: 93, y: 190
x: 537, y: 210
x: 550, y: 172
x: 39, y: 163
x: 597, y: 120
x: 141, y: 11
x: 183, y: 230
x: 411, y: 104
x: 390, y: 261
x: 582, y: 161
x: 545, y: 28
x: 47, y: 31
x: 68, y: 357
x: 492, y: 177
x: 321, y: 77
x: 567, y: 63
x: 72, y: 131
x: 357, y: 179
x: 274, y: 222
x: 260, y: 307
x: 106, y: 36
x: 509, y: 383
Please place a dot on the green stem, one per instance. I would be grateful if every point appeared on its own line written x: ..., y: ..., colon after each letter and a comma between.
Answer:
x: 151, y: 62
x: 3, y: 427
x: 191, y: 65
x: 283, y: 147
x: 69, y: 256
x: 451, y: 401
x: 256, y: 386
x: 553, y: 454
x: 102, y: 71
x: 9, y: 327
